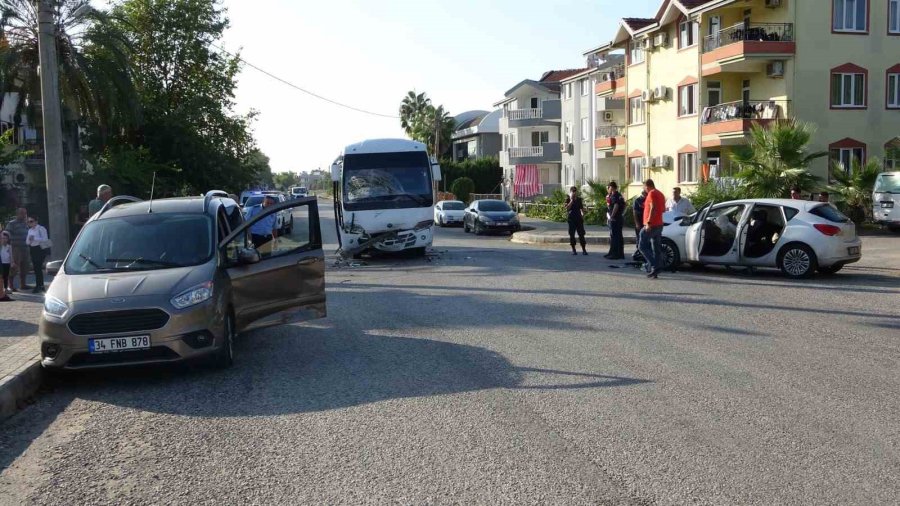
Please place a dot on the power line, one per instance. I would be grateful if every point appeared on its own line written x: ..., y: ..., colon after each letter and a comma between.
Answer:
x: 298, y: 88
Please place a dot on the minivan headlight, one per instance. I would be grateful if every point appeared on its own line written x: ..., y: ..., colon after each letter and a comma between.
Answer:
x: 55, y: 307
x: 193, y: 296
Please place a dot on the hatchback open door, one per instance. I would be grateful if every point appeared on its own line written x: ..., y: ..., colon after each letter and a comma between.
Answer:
x: 693, y: 237
x: 276, y: 278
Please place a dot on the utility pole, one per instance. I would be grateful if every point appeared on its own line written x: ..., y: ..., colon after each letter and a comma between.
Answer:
x: 57, y: 196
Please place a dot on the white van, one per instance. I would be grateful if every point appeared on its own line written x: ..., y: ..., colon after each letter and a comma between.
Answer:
x: 886, y: 200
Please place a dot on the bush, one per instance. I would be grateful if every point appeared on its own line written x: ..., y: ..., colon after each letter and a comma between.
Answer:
x: 463, y: 188
x: 553, y: 208
x: 721, y: 190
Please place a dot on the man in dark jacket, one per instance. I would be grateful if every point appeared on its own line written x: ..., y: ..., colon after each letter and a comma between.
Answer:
x: 616, y: 221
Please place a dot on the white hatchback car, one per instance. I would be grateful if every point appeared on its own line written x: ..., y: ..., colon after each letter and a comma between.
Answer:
x: 799, y: 237
x: 449, y: 212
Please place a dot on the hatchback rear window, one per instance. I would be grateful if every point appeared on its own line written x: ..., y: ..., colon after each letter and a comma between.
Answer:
x: 454, y: 206
x: 830, y: 213
x: 493, y: 205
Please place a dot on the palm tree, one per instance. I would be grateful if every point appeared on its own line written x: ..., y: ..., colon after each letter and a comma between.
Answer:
x: 854, y: 188
x: 411, y: 110
x: 95, y: 78
x: 776, y: 159
x: 431, y: 121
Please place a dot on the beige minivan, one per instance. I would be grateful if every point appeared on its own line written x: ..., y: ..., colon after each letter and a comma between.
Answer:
x: 177, y: 279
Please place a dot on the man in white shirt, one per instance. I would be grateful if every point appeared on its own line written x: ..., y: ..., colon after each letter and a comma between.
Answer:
x: 38, y: 245
x: 679, y: 205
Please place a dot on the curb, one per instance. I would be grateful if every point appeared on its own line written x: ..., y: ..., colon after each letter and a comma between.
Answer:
x: 539, y: 238
x: 22, y: 382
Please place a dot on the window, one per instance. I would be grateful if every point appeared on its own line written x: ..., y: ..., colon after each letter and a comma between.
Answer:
x: 713, y: 93
x: 844, y: 157
x: 687, y: 167
x: 636, y: 106
x: 850, y: 16
x: 894, y: 16
x: 567, y: 133
x: 687, y: 100
x: 636, y: 169
x: 893, y: 91
x: 535, y: 103
x: 567, y: 91
x: 688, y: 33
x: 848, y: 90
x: 637, y: 52
x: 539, y: 138
x: 585, y: 130
x: 585, y: 87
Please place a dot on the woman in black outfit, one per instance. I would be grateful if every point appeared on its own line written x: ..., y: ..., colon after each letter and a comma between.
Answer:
x: 575, y: 212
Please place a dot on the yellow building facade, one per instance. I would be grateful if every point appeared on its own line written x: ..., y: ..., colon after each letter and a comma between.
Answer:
x: 700, y: 73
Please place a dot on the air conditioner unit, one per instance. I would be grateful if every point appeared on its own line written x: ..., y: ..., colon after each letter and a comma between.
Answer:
x: 773, y: 3
x: 647, y: 43
x: 647, y: 95
x: 610, y: 76
x: 663, y: 162
x: 775, y: 69
x: 562, y: 147
x: 660, y: 93
x: 570, y: 149
x: 608, y: 116
x: 645, y: 161
x: 661, y: 39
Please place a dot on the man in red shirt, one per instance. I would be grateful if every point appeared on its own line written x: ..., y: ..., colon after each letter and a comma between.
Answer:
x: 651, y: 235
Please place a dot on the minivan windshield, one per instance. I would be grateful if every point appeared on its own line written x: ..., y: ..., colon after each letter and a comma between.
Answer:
x: 387, y: 181
x: 888, y: 183
x: 142, y: 242
x: 493, y: 206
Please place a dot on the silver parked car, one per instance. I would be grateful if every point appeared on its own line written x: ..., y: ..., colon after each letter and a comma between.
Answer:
x: 799, y: 237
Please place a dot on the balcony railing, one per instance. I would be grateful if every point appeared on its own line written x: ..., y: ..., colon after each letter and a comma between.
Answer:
x: 761, y: 32
x: 519, y: 114
x: 610, y: 131
x: 752, y: 110
x: 526, y: 152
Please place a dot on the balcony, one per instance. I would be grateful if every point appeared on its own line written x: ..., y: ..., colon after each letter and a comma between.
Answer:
x: 609, y: 137
x: 550, y: 112
x: 611, y: 82
x: 548, y: 152
x: 726, y: 50
x: 729, y: 123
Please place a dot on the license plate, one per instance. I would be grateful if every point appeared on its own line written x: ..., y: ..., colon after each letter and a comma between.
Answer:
x: 887, y: 205
x: 114, y: 344
x: 853, y: 251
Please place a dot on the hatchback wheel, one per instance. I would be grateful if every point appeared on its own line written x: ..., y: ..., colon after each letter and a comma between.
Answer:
x: 797, y: 261
x: 671, y: 258
x: 224, y: 357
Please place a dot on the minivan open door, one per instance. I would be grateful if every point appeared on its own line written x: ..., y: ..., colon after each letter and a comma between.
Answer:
x: 276, y: 279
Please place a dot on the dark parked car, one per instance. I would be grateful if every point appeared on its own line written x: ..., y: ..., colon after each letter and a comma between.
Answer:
x: 490, y: 215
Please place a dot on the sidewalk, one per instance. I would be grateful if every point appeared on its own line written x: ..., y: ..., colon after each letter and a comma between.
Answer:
x: 20, y: 365
x: 537, y: 231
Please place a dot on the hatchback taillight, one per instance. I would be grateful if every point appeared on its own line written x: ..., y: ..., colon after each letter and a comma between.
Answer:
x: 829, y: 230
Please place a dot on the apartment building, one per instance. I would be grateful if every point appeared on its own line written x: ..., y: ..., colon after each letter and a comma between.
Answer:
x: 530, y: 129
x: 584, y: 118
x: 21, y: 182
x: 477, y: 135
x: 699, y: 73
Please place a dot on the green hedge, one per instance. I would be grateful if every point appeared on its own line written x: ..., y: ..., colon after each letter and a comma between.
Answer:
x: 485, y: 173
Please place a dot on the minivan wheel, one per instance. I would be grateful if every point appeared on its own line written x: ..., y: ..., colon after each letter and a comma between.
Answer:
x: 224, y: 357
x: 797, y: 261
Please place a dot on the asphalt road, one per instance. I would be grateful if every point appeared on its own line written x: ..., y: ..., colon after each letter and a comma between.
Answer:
x: 501, y: 373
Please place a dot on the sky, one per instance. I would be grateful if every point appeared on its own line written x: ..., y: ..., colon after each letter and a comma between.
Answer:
x: 368, y: 53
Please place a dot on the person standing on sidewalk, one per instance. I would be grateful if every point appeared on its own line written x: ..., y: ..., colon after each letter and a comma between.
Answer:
x: 5, y: 265
x: 651, y: 234
x: 616, y: 218
x: 575, y: 215
x: 18, y: 232
x: 104, y: 193
x: 39, y: 245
